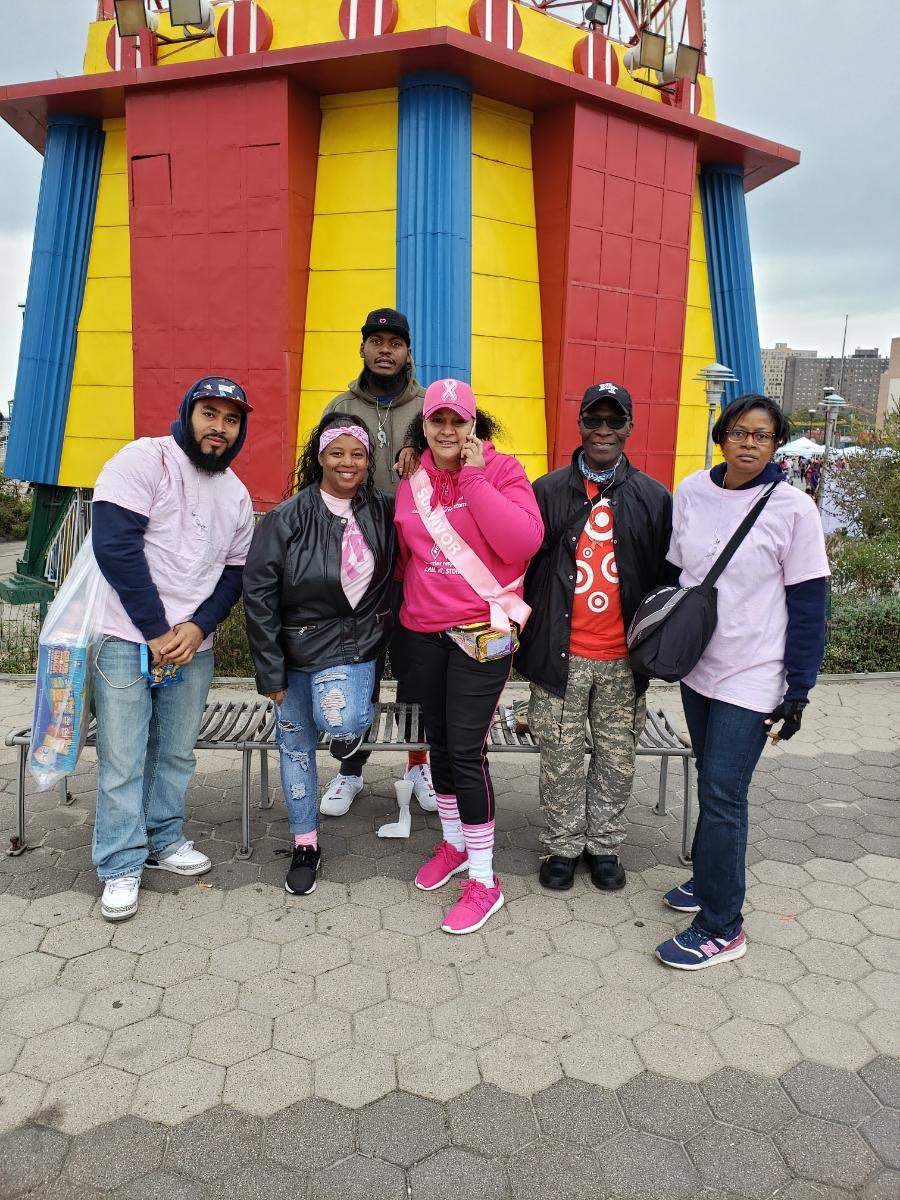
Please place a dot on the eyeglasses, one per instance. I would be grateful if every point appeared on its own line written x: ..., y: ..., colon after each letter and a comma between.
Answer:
x: 759, y: 436
x: 617, y: 421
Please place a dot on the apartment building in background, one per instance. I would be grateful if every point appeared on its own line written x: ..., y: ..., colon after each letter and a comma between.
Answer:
x: 889, y: 390
x: 857, y: 378
x: 774, y: 361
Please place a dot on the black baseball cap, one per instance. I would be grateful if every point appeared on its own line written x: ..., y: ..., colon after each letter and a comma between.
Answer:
x: 224, y: 389
x: 386, y: 320
x: 606, y: 391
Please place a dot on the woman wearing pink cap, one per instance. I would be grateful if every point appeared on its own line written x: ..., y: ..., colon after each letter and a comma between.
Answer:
x: 467, y: 524
x: 317, y: 598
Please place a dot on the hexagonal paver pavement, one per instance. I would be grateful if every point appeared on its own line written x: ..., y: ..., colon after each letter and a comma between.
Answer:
x: 235, y: 1042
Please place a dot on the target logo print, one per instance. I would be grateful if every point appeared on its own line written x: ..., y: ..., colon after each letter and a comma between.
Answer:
x: 131, y: 53
x: 246, y: 28
x: 598, y: 580
x: 367, y: 18
x: 498, y: 22
x: 595, y: 58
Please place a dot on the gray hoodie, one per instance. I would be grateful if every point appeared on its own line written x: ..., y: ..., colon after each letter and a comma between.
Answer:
x: 359, y: 402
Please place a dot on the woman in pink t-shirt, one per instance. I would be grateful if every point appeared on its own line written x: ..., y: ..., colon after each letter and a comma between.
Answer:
x: 317, y: 599
x: 760, y: 664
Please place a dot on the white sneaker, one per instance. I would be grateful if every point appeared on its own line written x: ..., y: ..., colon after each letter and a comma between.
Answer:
x: 423, y: 789
x: 185, y: 861
x: 340, y: 794
x: 120, y: 897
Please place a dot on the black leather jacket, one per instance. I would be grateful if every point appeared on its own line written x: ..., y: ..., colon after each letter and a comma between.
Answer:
x: 297, y: 614
x: 642, y: 530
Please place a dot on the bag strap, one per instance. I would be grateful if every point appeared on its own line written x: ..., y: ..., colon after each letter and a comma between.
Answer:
x: 504, y: 603
x: 737, y: 537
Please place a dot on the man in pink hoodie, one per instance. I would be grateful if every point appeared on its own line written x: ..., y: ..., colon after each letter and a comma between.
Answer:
x: 467, y: 525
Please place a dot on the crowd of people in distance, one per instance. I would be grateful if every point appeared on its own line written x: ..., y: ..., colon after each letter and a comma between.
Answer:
x: 407, y: 531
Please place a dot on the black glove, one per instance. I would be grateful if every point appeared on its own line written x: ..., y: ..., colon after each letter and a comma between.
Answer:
x: 790, y: 713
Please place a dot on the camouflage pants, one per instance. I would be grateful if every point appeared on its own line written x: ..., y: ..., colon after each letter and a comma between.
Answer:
x: 587, y: 810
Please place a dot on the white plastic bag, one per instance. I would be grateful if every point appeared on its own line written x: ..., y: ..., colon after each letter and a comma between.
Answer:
x: 62, y: 700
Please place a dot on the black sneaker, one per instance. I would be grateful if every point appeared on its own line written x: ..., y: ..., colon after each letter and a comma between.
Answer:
x: 301, y: 876
x: 557, y: 872
x: 607, y: 873
x: 344, y: 748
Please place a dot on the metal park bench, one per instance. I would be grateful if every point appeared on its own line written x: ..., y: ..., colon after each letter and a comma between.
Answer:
x: 248, y: 726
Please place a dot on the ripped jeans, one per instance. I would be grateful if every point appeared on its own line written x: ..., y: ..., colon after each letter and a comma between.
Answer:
x: 336, y: 701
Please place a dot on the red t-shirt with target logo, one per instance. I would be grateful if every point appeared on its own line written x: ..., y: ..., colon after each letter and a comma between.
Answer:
x: 598, y: 630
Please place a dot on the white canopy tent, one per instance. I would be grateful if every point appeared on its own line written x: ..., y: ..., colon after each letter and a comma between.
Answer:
x: 803, y: 447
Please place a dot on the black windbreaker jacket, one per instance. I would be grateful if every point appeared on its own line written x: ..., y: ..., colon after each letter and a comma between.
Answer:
x: 642, y: 527
x: 297, y: 614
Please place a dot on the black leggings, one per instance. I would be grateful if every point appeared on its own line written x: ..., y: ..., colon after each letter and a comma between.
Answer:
x: 459, y: 698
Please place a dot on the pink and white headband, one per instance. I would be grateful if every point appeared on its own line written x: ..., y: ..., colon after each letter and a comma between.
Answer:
x: 335, y: 431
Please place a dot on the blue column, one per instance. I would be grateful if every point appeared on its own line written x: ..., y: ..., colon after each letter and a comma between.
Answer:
x: 731, y: 277
x: 62, y: 240
x: 434, y: 222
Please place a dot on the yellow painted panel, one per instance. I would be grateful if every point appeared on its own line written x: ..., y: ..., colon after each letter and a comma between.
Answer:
x: 507, y: 308
x: 106, y: 307
x: 314, y: 403
x: 501, y: 135
x: 95, y: 53
x: 363, y: 128
x: 104, y: 360
x: 110, y: 252
x: 523, y: 420
x: 330, y: 359
x: 339, y: 300
x: 115, y: 150
x: 698, y: 351
x: 429, y: 14
x: 502, y: 192
x: 357, y: 99
x: 83, y: 458
x: 516, y: 368
x: 112, y: 200
x: 101, y: 412
x: 354, y: 241
x: 546, y: 38
x: 486, y: 104
x: 357, y: 182
x: 499, y: 248
x: 698, y: 241
x: 535, y: 465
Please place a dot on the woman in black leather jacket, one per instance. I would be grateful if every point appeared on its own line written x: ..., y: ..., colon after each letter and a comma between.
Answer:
x: 316, y: 596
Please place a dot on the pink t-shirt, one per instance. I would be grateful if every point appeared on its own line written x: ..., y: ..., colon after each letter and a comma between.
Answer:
x: 357, y: 560
x: 198, y: 525
x: 744, y: 661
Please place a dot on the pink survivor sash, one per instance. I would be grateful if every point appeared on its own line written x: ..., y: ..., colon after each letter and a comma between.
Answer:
x: 505, y: 605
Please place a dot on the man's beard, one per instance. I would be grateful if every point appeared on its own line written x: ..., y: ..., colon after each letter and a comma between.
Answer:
x: 211, y: 463
x: 388, y: 384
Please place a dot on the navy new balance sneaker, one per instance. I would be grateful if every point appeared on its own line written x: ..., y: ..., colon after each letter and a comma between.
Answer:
x: 681, y: 898
x: 692, y: 950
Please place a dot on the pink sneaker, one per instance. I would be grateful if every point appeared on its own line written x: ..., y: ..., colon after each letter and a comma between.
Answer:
x: 474, y: 906
x: 446, y: 862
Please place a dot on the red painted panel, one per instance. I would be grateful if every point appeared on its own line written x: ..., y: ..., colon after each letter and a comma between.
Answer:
x: 222, y: 180
x: 624, y: 270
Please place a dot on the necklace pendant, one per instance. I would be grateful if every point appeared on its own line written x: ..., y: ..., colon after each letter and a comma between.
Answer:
x: 382, y: 438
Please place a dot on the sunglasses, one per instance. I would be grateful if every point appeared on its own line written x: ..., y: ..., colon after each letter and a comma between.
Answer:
x: 617, y: 421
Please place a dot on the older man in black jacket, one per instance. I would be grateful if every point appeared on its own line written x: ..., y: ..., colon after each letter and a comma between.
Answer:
x: 607, y: 527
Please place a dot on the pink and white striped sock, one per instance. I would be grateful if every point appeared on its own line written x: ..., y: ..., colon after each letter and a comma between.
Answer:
x: 480, y: 849
x: 450, y: 822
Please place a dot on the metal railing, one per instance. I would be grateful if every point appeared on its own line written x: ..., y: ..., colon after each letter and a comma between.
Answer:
x: 69, y: 537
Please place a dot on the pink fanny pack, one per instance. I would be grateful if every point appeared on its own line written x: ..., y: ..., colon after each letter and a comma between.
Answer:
x: 505, y: 606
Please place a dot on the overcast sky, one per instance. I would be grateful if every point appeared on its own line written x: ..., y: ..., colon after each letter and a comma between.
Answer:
x: 824, y: 236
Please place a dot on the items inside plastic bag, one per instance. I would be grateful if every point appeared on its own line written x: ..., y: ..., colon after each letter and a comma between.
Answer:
x: 62, y: 701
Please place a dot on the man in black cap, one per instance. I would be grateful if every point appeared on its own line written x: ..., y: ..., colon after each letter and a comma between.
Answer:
x: 386, y: 395
x: 607, y: 527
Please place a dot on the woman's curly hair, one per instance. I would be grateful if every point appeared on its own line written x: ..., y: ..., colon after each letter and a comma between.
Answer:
x: 309, y: 470
x: 486, y: 428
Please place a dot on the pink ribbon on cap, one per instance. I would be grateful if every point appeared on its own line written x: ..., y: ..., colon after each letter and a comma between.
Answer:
x: 335, y: 431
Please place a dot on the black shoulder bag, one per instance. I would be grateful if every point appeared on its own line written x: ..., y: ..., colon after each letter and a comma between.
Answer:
x: 673, y: 625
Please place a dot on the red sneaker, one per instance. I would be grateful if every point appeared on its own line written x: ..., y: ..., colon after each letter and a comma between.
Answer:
x: 446, y: 862
x: 474, y: 906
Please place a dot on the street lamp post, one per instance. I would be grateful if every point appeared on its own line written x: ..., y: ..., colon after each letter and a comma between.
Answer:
x: 833, y: 405
x: 715, y: 376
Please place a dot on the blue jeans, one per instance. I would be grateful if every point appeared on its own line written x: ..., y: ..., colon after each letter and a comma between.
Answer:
x: 145, y: 756
x: 336, y: 701
x: 728, y: 741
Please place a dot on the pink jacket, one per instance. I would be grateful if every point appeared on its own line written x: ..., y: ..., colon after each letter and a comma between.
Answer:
x: 494, y: 510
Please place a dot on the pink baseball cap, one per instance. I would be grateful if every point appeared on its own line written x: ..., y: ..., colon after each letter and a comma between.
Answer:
x: 452, y: 394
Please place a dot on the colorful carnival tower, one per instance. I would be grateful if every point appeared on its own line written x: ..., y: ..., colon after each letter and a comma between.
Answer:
x: 229, y: 187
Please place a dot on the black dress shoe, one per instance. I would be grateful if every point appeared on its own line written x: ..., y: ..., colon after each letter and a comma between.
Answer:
x: 301, y: 876
x: 557, y: 873
x: 607, y: 873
